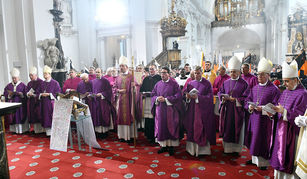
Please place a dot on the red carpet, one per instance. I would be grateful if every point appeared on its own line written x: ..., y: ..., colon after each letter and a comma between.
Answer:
x: 30, y: 157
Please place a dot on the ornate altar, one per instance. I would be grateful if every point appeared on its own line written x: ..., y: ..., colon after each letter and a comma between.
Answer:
x: 172, y: 26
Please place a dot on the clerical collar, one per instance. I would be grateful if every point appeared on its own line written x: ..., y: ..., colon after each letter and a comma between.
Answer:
x: 201, y: 79
x: 18, y: 82
x: 166, y: 80
x: 48, y: 80
x: 235, y: 78
x: 126, y: 73
x: 264, y: 84
x: 294, y: 88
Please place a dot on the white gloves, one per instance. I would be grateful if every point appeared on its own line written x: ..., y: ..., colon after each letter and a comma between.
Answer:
x: 301, y: 121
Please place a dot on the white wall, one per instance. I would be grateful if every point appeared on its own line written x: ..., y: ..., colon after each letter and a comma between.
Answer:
x: 18, y: 40
x: 43, y: 25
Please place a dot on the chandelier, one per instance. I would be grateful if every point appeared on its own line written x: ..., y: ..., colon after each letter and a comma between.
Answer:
x: 238, y: 15
x: 238, y: 18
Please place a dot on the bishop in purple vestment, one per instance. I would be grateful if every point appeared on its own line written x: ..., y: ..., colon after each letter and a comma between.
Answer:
x: 232, y: 117
x: 48, y: 93
x: 124, y: 106
x: 249, y: 78
x: 199, y: 120
x: 16, y: 92
x: 292, y: 103
x: 260, y: 125
x: 166, y: 105
x: 33, y: 104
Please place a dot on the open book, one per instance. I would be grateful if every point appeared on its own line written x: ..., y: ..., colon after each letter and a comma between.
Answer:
x: 269, y: 108
x: 252, y: 104
x: 225, y: 95
x: 194, y: 91
x: 31, y: 91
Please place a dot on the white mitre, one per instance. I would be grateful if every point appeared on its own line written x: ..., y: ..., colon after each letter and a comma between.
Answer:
x: 15, y: 72
x: 33, y: 71
x: 47, y: 69
x: 123, y: 60
x: 265, y: 65
x: 289, y: 70
x: 234, y: 63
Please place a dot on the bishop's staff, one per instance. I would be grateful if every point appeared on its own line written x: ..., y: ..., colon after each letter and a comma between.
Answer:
x: 133, y: 102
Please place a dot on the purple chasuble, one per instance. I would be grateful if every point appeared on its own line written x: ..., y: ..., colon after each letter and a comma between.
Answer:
x: 103, y: 106
x: 167, y: 117
x: 295, y: 102
x: 47, y: 104
x: 20, y: 116
x: 199, y: 120
x: 260, y: 127
x: 87, y: 87
x: 232, y: 116
x: 33, y: 105
x: 251, y: 80
x: 218, y: 82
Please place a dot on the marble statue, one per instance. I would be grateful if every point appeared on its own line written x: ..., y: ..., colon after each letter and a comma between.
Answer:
x: 49, y: 52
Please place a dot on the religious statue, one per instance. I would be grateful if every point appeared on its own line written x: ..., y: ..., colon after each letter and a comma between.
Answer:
x: 299, y: 44
x: 50, y: 53
x: 175, y: 45
x: 95, y: 64
x: 53, y: 52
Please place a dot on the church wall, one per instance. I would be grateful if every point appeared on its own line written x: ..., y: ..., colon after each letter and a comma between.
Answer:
x: 198, y: 36
x: 18, y: 46
x: 138, y: 28
x: 277, y: 24
x: 43, y: 26
x: 155, y: 11
x: 236, y: 43
x: 69, y: 33
x: 86, y: 32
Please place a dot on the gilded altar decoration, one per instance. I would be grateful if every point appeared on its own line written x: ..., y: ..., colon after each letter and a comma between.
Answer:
x: 238, y: 13
x: 174, y: 25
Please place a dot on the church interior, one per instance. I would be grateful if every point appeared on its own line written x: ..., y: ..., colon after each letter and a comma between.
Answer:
x: 99, y: 34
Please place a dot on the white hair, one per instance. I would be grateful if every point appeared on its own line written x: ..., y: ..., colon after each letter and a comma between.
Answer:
x: 109, y: 69
x: 84, y: 75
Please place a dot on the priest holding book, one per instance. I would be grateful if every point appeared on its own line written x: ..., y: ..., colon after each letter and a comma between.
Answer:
x: 16, y: 92
x: 259, y: 128
x: 292, y: 103
x: 232, y: 117
x: 199, y: 120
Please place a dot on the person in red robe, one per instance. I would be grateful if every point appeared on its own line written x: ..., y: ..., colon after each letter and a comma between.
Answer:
x: 71, y: 84
x: 92, y: 74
